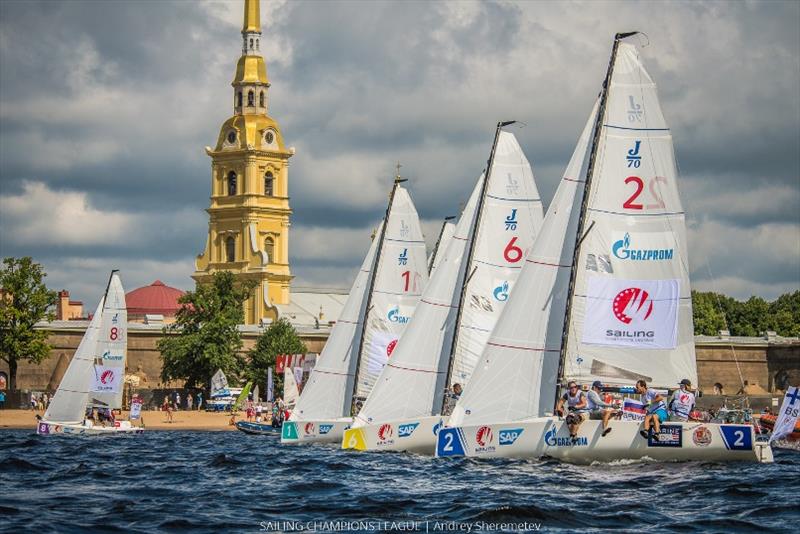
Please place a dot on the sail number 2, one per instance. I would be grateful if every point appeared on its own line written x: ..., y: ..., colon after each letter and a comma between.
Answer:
x: 653, y: 185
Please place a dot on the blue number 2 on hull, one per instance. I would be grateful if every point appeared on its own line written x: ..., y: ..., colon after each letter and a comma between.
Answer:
x: 449, y: 442
x: 737, y: 437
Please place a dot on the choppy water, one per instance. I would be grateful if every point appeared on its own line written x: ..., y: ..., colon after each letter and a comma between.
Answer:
x: 232, y: 482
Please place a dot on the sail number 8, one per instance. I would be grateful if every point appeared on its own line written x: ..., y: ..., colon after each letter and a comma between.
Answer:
x: 653, y: 184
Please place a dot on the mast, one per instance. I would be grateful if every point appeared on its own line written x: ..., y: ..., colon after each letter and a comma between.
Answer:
x: 438, y: 241
x: 579, y: 236
x: 467, y: 273
x: 375, y: 264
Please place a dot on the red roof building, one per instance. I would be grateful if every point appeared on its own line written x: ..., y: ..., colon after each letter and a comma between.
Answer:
x: 155, y: 299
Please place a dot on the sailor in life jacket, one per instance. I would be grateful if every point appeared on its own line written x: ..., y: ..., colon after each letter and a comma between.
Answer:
x: 682, y: 402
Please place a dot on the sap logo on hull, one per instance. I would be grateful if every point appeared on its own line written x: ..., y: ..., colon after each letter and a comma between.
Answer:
x: 509, y: 436
x: 403, y: 431
x: 552, y: 440
x: 324, y: 429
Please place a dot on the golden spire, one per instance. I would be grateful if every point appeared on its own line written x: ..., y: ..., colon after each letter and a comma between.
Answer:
x: 252, y: 16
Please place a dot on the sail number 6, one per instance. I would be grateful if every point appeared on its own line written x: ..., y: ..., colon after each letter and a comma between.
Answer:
x: 512, y: 253
x: 653, y: 185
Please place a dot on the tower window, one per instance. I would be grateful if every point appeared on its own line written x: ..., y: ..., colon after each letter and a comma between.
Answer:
x: 239, y: 99
x: 230, y: 249
x: 261, y: 99
x: 251, y: 98
x: 269, y: 248
x: 269, y: 184
x: 251, y: 44
x: 257, y: 43
x: 231, y: 183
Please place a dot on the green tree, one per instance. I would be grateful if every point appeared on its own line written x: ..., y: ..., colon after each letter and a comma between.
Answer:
x: 205, y: 336
x: 279, y: 338
x: 785, y: 315
x: 24, y: 301
x: 708, y: 317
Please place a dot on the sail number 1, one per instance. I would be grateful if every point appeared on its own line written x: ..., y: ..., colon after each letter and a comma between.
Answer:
x: 653, y: 185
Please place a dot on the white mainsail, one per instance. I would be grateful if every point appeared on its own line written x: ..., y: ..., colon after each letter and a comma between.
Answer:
x: 109, y: 369
x: 407, y: 385
x: 219, y: 384
x: 631, y: 309
x: 329, y: 390
x: 401, y: 274
x: 71, y: 398
x: 509, y: 220
x: 526, y: 342
x: 290, y: 390
x: 445, y: 236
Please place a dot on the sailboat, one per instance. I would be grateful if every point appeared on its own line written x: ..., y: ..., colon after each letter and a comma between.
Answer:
x: 607, y: 297
x: 445, y: 235
x: 291, y: 391
x: 94, y: 378
x: 458, y: 309
x: 380, y: 304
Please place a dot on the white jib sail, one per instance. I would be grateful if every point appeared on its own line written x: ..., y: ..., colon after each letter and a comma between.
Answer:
x: 112, y: 346
x: 509, y: 221
x: 446, y: 235
x: 631, y: 313
x: 519, y: 364
x: 290, y: 390
x: 71, y: 397
x: 400, y: 277
x: 407, y: 386
x: 329, y: 390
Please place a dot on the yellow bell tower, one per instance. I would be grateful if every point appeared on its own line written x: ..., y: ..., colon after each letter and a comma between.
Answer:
x: 248, y: 229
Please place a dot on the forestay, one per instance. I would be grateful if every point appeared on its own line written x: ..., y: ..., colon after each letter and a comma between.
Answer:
x: 109, y: 369
x: 631, y: 312
x: 69, y: 402
x: 445, y: 236
x: 509, y: 221
x: 408, y: 385
x: 400, y: 276
x: 525, y: 345
x: 329, y: 390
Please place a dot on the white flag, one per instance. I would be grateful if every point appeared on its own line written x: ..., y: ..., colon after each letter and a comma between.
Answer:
x: 270, y: 385
x: 631, y: 313
x: 298, y: 375
x: 106, y: 379
x: 790, y: 410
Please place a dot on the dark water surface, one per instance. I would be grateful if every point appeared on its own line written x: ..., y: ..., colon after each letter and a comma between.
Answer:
x: 232, y: 482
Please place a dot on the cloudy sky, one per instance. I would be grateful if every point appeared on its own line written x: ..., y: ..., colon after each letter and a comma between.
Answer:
x: 105, y: 108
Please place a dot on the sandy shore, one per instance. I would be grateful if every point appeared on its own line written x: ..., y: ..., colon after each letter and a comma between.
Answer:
x: 153, y: 420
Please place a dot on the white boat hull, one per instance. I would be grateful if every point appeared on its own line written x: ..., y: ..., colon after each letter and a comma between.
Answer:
x: 549, y: 436
x: 322, y: 431
x: 410, y: 435
x: 45, y: 428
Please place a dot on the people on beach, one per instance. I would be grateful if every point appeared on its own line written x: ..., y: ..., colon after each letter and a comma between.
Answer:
x: 165, y: 407
x: 189, y: 402
x: 2, y: 399
x: 682, y: 402
x: 656, y: 409
x: 598, y: 408
x: 577, y: 406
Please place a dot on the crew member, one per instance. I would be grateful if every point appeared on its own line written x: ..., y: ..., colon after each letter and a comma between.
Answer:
x: 576, y: 406
x: 682, y: 402
x: 656, y: 409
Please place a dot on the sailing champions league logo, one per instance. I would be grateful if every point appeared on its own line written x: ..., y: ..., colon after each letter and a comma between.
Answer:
x: 309, y: 429
x: 394, y: 316
x: 501, y: 292
x: 484, y: 436
x: 622, y: 250
x: 632, y: 304
x: 107, y: 378
x: 385, y: 434
x: 390, y: 347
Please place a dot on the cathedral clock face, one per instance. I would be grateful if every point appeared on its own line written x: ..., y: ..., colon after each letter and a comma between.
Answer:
x: 231, y: 137
x: 269, y: 137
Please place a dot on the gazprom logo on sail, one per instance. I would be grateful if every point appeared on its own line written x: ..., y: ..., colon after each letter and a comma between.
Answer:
x: 623, y: 251
x: 395, y: 316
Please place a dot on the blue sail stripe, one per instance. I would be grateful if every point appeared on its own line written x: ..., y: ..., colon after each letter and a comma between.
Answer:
x: 637, y: 129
